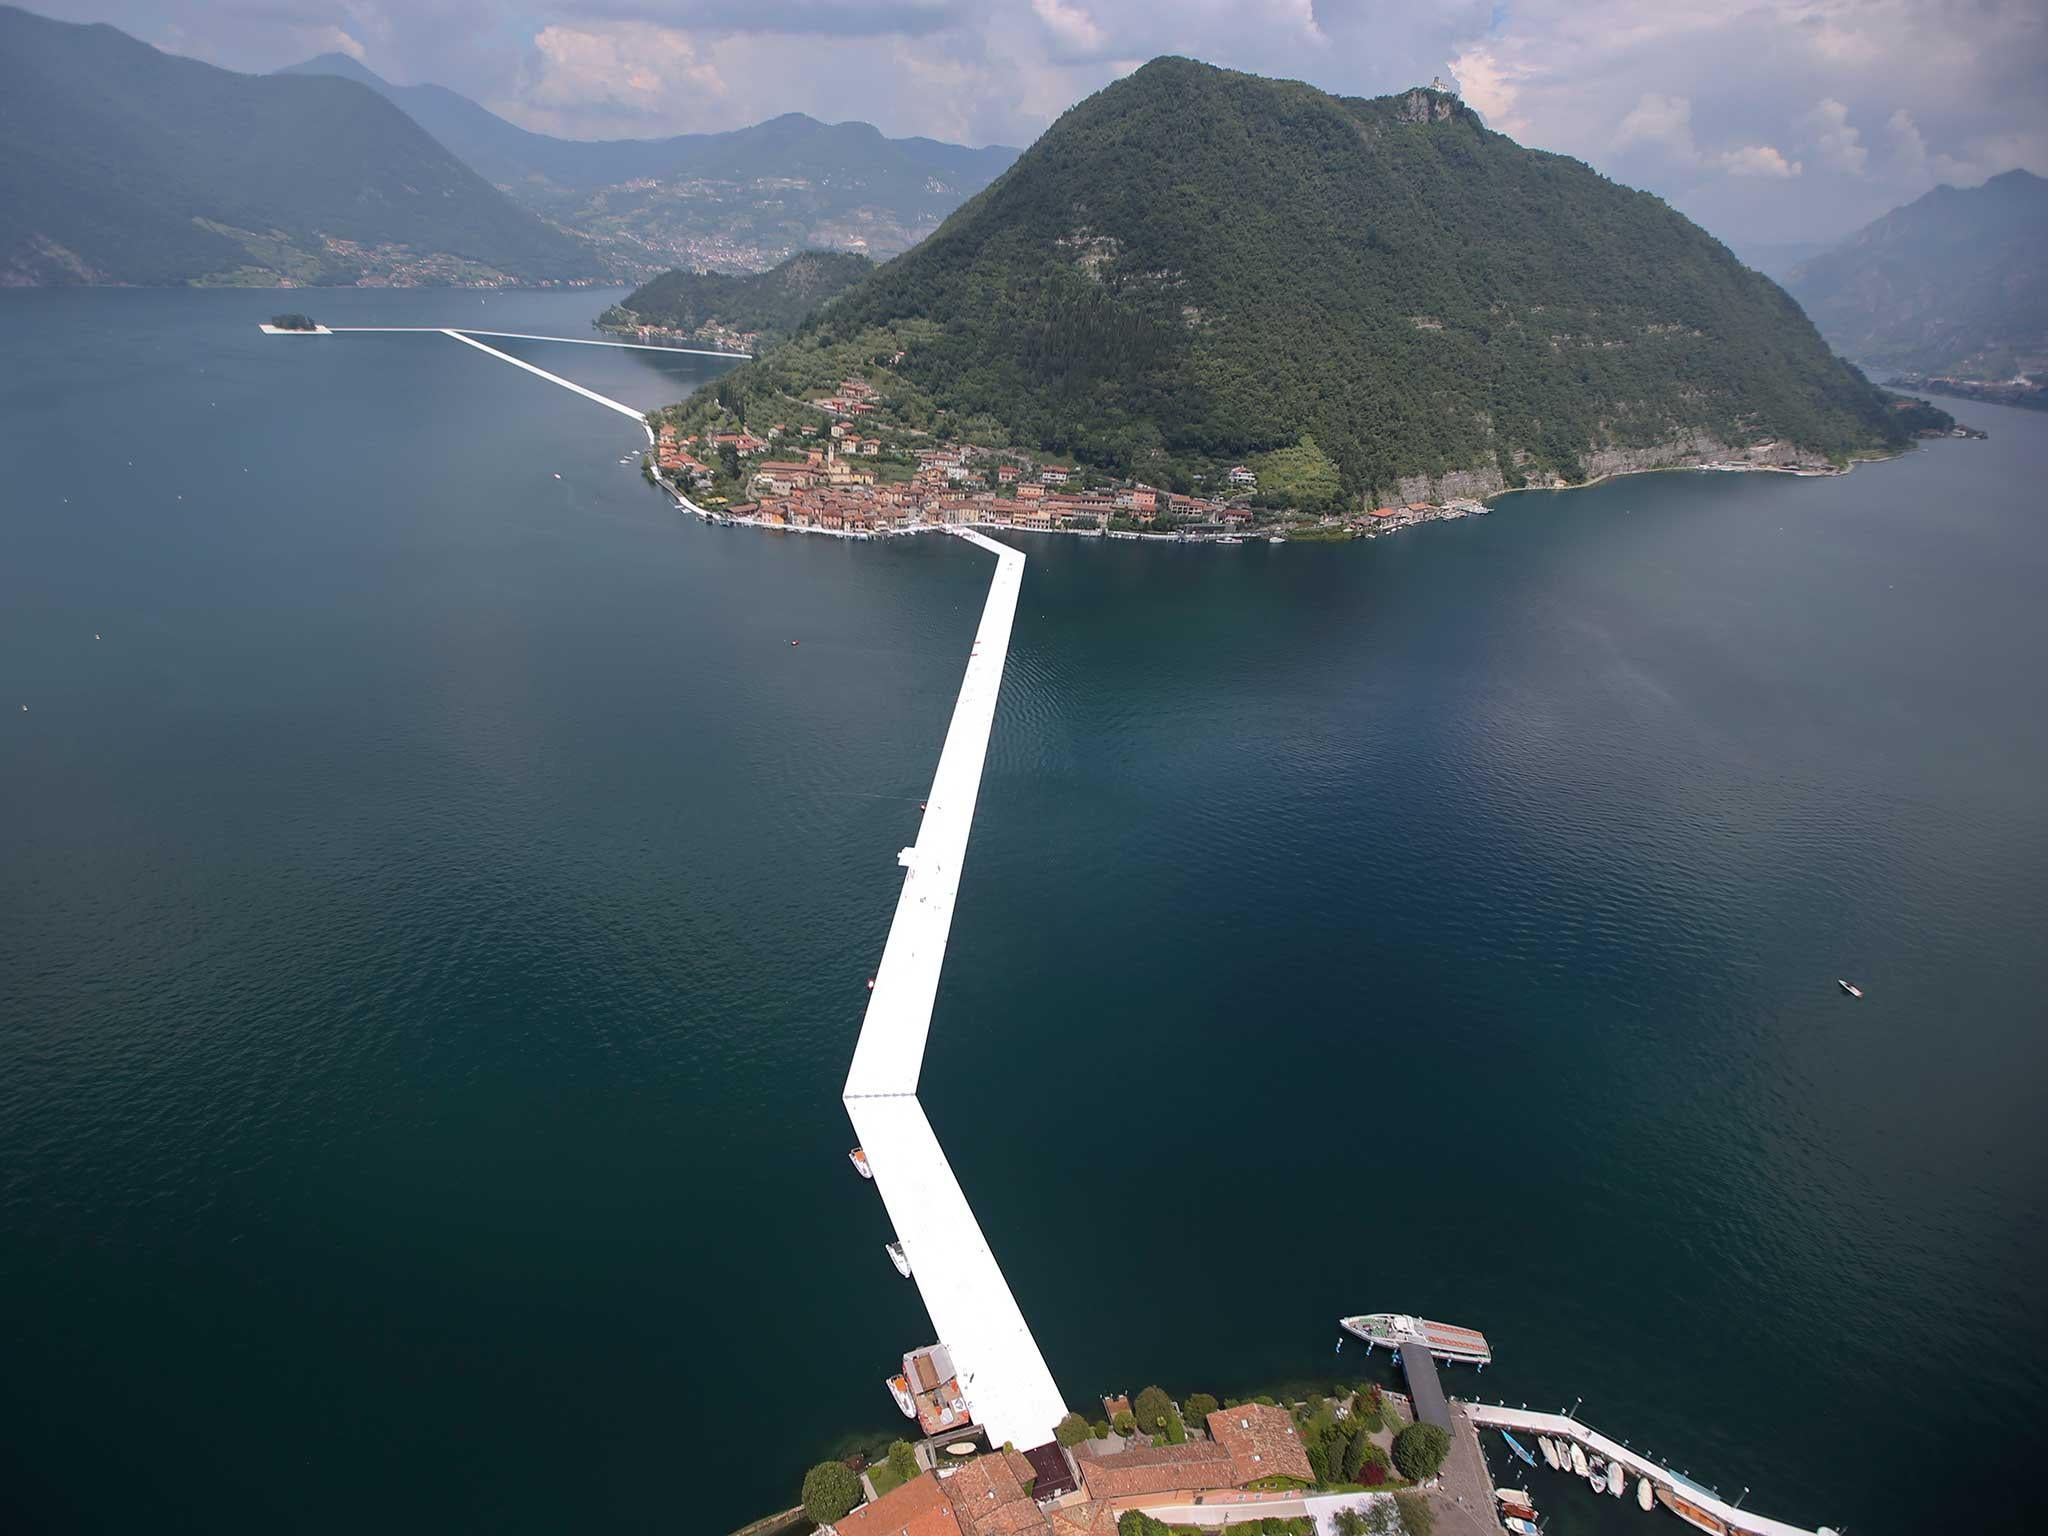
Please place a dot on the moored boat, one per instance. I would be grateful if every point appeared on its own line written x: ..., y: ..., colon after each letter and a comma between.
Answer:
x: 895, y: 1252
x: 1643, y: 1493
x: 1520, y: 1526
x: 1616, y: 1478
x: 1514, y: 1496
x: 1518, y: 1448
x: 1579, y: 1460
x: 1549, y: 1448
x: 899, y: 1388
x: 1691, y: 1513
x: 859, y: 1158
x: 1446, y: 1341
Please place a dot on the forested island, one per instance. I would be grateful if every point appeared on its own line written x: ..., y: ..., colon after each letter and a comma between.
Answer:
x: 736, y: 312
x: 1199, y: 280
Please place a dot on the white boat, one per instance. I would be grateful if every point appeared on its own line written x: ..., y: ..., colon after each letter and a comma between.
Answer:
x: 859, y: 1158
x: 1514, y: 1496
x: 1849, y: 987
x: 1276, y: 539
x: 1616, y: 1478
x: 1446, y: 1341
x: 895, y: 1252
x: 1549, y: 1449
x: 1643, y: 1493
x: 899, y: 1388
x: 1579, y: 1460
x: 1520, y: 1526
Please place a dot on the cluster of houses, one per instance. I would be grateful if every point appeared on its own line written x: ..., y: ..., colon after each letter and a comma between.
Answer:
x: 814, y: 477
x: 1052, y: 1491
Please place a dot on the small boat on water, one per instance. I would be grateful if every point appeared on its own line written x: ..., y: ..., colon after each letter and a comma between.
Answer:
x: 1616, y: 1478
x: 1643, y: 1493
x: 895, y: 1252
x: 1549, y: 1448
x: 1849, y: 987
x: 1517, y: 1447
x: 899, y: 1388
x: 1514, y: 1496
x: 1520, y: 1526
x: 1579, y: 1460
x: 859, y: 1158
x: 1692, y: 1514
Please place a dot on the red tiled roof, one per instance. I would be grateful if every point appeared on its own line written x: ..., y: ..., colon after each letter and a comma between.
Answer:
x: 1262, y: 1442
x: 917, y: 1508
x: 1143, y: 1469
x: 988, y: 1497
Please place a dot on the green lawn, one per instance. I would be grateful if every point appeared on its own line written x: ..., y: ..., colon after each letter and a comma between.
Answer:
x: 884, y: 1477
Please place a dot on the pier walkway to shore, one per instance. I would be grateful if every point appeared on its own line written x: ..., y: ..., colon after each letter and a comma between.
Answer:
x: 1008, y: 1387
x: 1562, y: 1426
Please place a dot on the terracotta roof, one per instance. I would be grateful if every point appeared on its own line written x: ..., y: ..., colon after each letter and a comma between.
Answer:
x: 1083, y: 1520
x: 988, y: 1497
x: 917, y: 1508
x: 1262, y: 1442
x: 1155, y: 1469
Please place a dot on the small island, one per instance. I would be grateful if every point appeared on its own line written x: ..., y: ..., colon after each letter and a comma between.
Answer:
x: 293, y: 324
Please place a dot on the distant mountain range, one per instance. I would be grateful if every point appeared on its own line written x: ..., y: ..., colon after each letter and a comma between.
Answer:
x: 734, y: 201
x: 1357, y: 298
x: 1955, y: 282
x: 121, y: 164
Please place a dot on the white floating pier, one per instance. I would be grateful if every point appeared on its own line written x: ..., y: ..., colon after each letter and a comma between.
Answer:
x: 1568, y: 1428
x: 1002, y: 1374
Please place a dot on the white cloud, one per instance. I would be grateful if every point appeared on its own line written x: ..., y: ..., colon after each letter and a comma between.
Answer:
x: 628, y: 68
x: 1661, y: 120
x: 1072, y: 28
x: 1838, y: 142
x: 1757, y: 160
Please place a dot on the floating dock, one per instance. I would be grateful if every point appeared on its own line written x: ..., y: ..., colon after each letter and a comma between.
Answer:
x: 1740, y: 1522
x: 1003, y: 1376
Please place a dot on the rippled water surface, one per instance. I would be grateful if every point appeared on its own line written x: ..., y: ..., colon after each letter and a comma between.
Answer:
x: 434, y: 910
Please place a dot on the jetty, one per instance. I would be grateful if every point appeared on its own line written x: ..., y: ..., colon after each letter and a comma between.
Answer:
x: 1002, y: 1374
x: 1561, y: 1426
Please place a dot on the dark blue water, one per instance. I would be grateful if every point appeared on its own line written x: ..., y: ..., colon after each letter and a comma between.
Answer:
x: 433, y: 917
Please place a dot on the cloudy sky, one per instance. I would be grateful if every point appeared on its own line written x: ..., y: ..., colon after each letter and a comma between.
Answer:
x: 1775, y: 120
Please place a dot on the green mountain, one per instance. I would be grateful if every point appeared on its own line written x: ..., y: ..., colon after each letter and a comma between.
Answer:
x: 1195, y: 266
x: 758, y: 304
x: 741, y: 199
x: 120, y: 164
x: 1954, y: 282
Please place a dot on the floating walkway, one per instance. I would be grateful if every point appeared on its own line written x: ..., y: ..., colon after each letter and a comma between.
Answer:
x: 1008, y: 1387
x: 574, y: 341
x: 1563, y: 1426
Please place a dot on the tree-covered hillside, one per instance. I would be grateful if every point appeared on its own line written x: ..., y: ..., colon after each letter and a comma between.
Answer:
x: 1956, y: 281
x: 771, y: 303
x: 120, y: 164
x: 1195, y: 266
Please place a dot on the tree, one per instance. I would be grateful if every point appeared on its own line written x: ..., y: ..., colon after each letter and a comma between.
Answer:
x: 1135, y: 1522
x: 830, y: 1491
x: 1126, y: 1421
x: 1416, y: 1515
x: 1355, y: 1447
x: 1201, y: 1405
x: 1099, y: 1429
x: 1318, y: 1461
x: 1153, y: 1408
x: 1419, y: 1451
x: 902, y: 1460
x: 1350, y: 1523
x: 1071, y: 1430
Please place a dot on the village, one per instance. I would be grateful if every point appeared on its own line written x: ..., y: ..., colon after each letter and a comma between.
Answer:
x: 849, y: 473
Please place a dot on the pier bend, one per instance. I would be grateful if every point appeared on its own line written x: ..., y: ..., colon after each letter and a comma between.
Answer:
x: 1003, y: 1377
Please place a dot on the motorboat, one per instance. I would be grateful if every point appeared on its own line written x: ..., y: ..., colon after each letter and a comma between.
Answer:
x: 895, y: 1252
x: 1643, y: 1493
x: 899, y: 1388
x: 1849, y: 987
x: 1691, y: 1513
x: 1520, y: 1526
x: 1616, y: 1478
x: 1549, y: 1448
x: 859, y: 1158
x: 1579, y: 1460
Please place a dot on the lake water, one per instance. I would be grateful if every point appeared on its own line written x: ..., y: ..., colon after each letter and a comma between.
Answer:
x: 434, y: 914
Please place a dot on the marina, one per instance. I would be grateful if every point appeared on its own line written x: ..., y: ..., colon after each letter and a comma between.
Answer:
x: 1580, y: 1445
